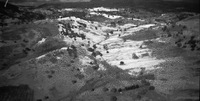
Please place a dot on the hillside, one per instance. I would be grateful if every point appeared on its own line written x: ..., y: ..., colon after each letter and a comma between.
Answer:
x: 99, y: 54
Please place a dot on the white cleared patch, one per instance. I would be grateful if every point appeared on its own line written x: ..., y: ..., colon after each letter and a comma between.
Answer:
x: 42, y: 56
x: 148, y: 63
x: 101, y: 67
x: 68, y: 9
x: 58, y: 57
x: 41, y: 41
x: 103, y: 9
x: 138, y: 19
x: 106, y: 15
x: 111, y: 16
x: 64, y: 48
x: 128, y: 25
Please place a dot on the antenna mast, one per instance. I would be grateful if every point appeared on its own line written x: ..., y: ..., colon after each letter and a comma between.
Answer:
x: 6, y: 3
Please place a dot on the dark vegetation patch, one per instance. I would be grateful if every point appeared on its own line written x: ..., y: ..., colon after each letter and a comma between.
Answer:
x: 49, y: 76
x: 24, y: 42
x: 82, y: 24
x: 95, y: 67
x: 8, y: 57
x: 18, y: 56
x: 98, y: 18
x: 49, y: 45
x: 134, y: 56
x: 147, y: 77
x: 52, y: 72
x: 42, y: 61
x: 145, y: 82
x: 151, y: 88
x: 74, y: 81
x: 13, y: 35
x: 195, y: 70
x: 163, y: 79
x: 113, y: 98
x: 183, y: 35
x: 31, y: 35
x: 70, y: 33
x: 53, y: 60
x: 131, y: 87
x: 24, y: 15
x: 121, y: 63
x: 72, y: 51
x: 79, y: 76
x: 165, y: 50
x: 105, y: 89
x: 68, y: 65
x: 45, y: 32
x: 72, y: 61
x: 190, y: 92
x: 26, y: 34
x: 5, y: 51
x: 79, y: 14
x: 16, y: 93
x: 113, y: 90
x: 141, y: 35
x: 127, y: 88
x: 197, y: 62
